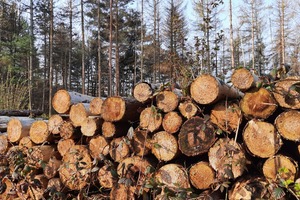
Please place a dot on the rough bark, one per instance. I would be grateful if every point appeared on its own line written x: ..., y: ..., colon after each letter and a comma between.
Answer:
x: 273, y: 165
x: 98, y: 147
x: 226, y: 115
x: 188, y: 109
x: 142, y: 92
x: 91, y: 126
x: 121, y: 109
x: 207, y: 89
x: 164, y: 146
x: 64, y: 145
x: 105, y: 177
x: 285, y: 94
x: 172, y: 122
x: 54, y: 124
x: 288, y: 125
x: 196, y: 136
x: 150, y: 119
x: 258, y: 103
x: 18, y: 128
x: 167, y: 101
x: 201, y: 175
x: 174, y: 176
x: 243, y: 79
x: 63, y: 100
x: 96, y: 106
x: 227, y: 158
x: 74, y: 172
x: 141, y: 142
x: 119, y: 149
x: 39, y: 132
x: 261, y: 139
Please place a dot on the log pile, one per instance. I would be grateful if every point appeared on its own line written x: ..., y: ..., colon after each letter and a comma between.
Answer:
x: 238, y: 141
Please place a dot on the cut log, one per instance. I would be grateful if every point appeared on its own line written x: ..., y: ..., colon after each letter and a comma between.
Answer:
x: 38, y: 156
x: 243, y: 79
x: 105, y: 176
x: 22, y: 189
x: 122, y: 191
x: 172, y: 122
x: 261, y: 139
x: 285, y: 94
x: 67, y: 130
x: 280, y: 167
x: 227, y: 158
x: 62, y: 100
x: 227, y: 115
x: 150, y: 119
x: 91, y: 126
x: 288, y: 125
x: 18, y: 128
x: 39, y: 132
x: 55, y: 185
x: 207, y: 89
x: 64, y: 145
x: 78, y: 114
x: 74, y: 172
x: 142, y: 92
x: 19, y: 113
x: 167, y: 101
x: 4, y: 145
x: 196, y: 136
x: 258, y: 103
x: 164, y: 146
x: 38, y: 186
x: 54, y: 124
x: 141, y: 142
x: 121, y: 109
x: 174, y: 176
x: 188, y: 109
x: 119, y: 149
x: 114, y: 129
x: 96, y: 106
x: 252, y: 188
x: 98, y: 147
x: 51, y: 168
x: 9, y: 192
x: 25, y: 144
x: 201, y: 175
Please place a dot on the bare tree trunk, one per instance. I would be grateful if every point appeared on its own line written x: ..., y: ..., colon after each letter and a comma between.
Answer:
x: 252, y: 33
x: 231, y: 36
x: 154, y: 38
x: 142, y: 40
x: 110, y: 48
x: 70, y: 41
x: 282, y: 31
x: 99, y: 49
x: 82, y: 49
x: 50, y: 57
x: 31, y: 57
x: 117, y: 51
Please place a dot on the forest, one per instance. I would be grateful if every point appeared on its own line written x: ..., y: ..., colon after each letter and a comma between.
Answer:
x: 103, y: 48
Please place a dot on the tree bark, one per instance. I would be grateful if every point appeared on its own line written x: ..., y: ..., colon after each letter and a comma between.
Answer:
x: 54, y: 124
x: 96, y: 105
x: 272, y: 166
x: 287, y: 124
x: 227, y: 158
x: 187, y: 109
x: 258, y: 103
x: 119, y: 149
x: 164, y: 146
x: 39, y: 132
x: 172, y: 122
x: 202, y: 175
x: 196, y: 136
x: 150, y: 119
x: 207, y: 89
x: 226, y: 115
x: 18, y: 128
x: 63, y: 100
x: 99, y: 147
x: 285, y: 95
x: 74, y: 172
x: 243, y: 79
x: 91, y: 126
x: 64, y: 145
x: 167, y: 101
x: 261, y: 139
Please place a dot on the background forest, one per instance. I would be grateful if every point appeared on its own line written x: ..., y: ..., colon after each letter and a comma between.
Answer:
x: 103, y: 47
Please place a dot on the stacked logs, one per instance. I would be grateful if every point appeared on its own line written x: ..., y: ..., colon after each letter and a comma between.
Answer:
x: 239, y: 141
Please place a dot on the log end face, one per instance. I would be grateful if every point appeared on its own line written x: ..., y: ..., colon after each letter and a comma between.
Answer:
x: 188, y: 109
x: 96, y: 106
x: 164, y: 146
x: 288, y: 125
x: 142, y: 92
x: 167, y: 101
x: 98, y: 147
x: 61, y: 101
x: 201, y: 175
x: 113, y: 109
x: 14, y: 130
x: 172, y: 122
x: 39, y: 132
x: 78, y: 114
x: 150, y: 119
x: 242, y: 79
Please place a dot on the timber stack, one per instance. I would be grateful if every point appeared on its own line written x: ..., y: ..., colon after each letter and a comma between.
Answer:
x: 238, y: 141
